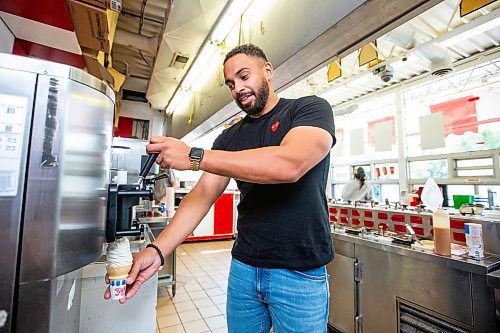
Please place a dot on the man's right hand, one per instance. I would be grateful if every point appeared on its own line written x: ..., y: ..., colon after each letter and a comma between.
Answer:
x: 146, y: 264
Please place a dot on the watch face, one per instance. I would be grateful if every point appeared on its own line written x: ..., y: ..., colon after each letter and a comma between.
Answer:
x: 196, y: 153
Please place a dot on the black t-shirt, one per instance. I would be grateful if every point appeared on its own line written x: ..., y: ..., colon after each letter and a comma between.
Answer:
x: 282, y: 225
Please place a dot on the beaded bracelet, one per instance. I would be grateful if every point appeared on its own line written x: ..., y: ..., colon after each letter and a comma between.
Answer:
x: 162, y: 260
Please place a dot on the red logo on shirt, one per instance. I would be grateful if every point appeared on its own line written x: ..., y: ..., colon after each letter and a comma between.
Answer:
x: 275, y: 126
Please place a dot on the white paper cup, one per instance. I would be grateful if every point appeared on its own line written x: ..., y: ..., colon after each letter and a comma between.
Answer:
x: 117, y: 288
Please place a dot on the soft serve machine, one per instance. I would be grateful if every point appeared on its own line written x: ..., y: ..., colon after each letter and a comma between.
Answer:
x: 57, y: 206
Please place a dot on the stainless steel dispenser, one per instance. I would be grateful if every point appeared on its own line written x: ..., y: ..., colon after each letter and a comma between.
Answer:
x: 55, y: 148
x: 121, y: 201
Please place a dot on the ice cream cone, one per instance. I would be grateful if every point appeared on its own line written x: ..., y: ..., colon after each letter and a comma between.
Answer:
x: 117, y: 277
x: 119, y: 272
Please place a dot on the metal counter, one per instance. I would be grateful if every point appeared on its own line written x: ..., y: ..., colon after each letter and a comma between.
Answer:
x: 395, y: 219
x: 493, y: 279
x: 395, y: 286
x: 489, y: 264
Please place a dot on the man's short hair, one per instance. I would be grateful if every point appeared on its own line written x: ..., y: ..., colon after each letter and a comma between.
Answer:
x: 249, y: 50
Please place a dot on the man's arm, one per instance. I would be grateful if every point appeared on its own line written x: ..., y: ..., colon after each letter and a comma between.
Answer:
x: 193, y: 208
x: 191, y: 211
x: 300, y: 150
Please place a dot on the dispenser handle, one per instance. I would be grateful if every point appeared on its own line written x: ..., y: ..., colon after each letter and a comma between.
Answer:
x: 149, y: 163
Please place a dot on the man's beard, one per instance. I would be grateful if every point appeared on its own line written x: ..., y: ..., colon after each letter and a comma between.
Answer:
x: 260, y: 100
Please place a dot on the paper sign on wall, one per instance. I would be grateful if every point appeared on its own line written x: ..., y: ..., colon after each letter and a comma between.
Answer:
x: 432, y: 131
x: 357, y: 141
x: 383, y: 136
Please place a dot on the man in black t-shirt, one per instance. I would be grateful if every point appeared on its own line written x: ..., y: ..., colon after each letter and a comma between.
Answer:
x: 279, y: 156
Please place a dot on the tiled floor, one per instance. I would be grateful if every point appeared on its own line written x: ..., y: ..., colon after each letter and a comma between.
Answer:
x: 200, y: 301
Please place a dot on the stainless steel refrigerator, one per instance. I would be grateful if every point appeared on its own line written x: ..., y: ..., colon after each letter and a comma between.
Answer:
x: 55, y: 149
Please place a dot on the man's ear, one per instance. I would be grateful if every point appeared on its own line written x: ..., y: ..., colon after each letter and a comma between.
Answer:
x: 268, y: 70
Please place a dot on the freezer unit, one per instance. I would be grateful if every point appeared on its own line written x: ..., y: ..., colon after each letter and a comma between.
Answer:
x: 55, y: 147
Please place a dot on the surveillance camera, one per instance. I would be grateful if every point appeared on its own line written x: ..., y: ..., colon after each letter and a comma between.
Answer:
x: 386, y: 73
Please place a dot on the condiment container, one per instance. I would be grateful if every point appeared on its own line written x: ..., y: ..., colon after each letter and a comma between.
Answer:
x: 442, y: 234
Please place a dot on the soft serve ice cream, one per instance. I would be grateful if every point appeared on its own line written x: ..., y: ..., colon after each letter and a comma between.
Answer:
x: 119, y: 263
x: 118, y: 253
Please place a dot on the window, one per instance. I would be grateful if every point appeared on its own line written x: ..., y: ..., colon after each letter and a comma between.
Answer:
x: 458, y: 113
x: 337, y: 190
x: 341, y: 173
x: 474, y: 167
x: 430, y: 168
x: 390, y: 192
x: 366, y: 167
x: 367, y: 131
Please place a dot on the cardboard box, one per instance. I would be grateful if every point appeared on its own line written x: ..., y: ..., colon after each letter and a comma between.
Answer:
x: 115, y: 5
x: 94, y: 61
x: 96, y: 69
x: 91, y: 25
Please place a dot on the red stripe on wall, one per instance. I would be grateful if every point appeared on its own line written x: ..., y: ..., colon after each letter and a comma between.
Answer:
x: 398, y: 218
x: 457, y: 224
x: 416, y: 219
x: 51, y: 12
x: 207, y: 238
x: 18, y: 49
x: 419, y: 231
x: 223, y: 214
x: 459, y: 237
x: 383, y: 216
x: 27, y: 48
x: 124, y: 129
x: 399, y: 228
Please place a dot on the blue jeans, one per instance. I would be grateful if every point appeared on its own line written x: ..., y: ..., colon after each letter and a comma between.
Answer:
x: 290, y: 301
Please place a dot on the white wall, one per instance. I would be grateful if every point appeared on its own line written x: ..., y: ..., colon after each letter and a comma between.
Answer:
x: 140, y: 110
x: 6, y: 39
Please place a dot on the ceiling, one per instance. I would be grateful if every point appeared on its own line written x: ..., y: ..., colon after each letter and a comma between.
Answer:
x: 151, y: 34
x: 430, y: 44
x: 145, y: 20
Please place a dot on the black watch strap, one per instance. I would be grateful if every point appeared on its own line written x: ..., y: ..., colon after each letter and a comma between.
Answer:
x: 162, y: 260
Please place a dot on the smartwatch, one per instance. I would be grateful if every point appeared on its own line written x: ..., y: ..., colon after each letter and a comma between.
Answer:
x: 195, y: 157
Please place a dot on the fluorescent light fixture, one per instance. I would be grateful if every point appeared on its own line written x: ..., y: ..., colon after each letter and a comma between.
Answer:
x: 469, y: 33
x: 197, y: 68
x: 177, y: 100
x: 221, y: 30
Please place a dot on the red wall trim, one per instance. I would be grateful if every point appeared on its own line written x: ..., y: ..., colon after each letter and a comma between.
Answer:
x: 27, y: 48
x: 223, y: 214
